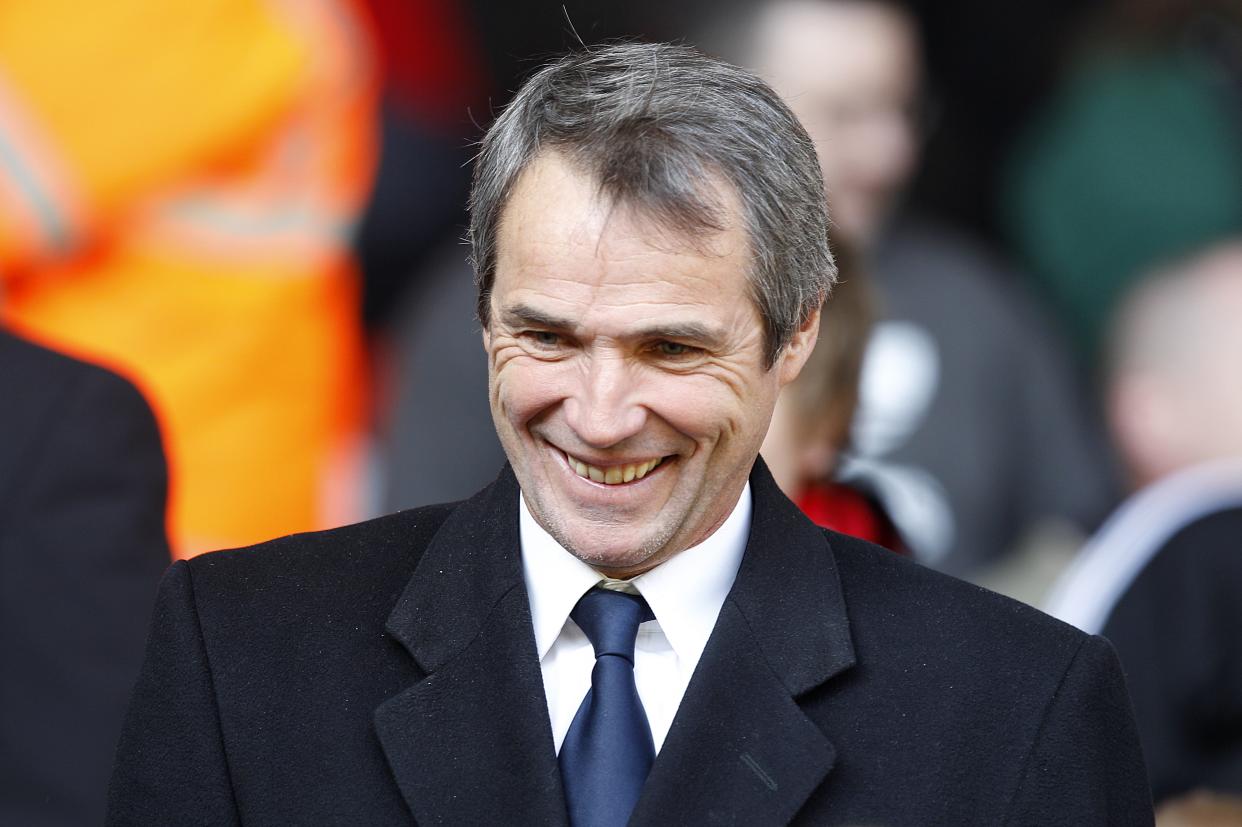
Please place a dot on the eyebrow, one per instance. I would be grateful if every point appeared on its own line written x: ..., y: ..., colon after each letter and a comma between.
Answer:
x: 519, y: 315
x: 687, y: 331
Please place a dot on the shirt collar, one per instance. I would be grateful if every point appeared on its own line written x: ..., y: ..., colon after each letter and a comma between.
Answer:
x: 685, y: 592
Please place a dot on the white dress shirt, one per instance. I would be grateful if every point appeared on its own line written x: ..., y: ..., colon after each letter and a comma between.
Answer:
x: 685, y: 593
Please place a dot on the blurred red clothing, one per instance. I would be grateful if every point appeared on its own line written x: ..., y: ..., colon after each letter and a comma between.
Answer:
x: 430, y: 60
x: 846, y: 510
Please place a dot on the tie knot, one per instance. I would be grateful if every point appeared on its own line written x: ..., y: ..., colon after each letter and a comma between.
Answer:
x: 610, y: 621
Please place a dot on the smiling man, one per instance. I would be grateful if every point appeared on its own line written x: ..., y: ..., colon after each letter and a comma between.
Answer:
x: 632, y: 624
x: 630, y: 384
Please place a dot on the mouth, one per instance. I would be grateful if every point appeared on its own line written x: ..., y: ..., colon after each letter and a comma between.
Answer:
x: 620, y: 474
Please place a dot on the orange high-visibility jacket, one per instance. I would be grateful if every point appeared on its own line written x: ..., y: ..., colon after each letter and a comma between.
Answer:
x: 178, y: 184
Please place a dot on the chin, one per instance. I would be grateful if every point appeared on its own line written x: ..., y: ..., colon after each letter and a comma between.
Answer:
x: 630, y: 553
x: 621, y: 561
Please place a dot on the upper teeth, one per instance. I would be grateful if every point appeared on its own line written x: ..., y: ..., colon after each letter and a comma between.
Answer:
x: 613, y: 474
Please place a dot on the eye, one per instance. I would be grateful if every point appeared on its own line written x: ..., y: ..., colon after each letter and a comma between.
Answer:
x: 674, y: 349
x: 544, y: 338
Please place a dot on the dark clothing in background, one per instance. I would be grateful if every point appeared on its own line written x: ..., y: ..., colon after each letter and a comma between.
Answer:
x: 388, y: 670
x: 82, y: 546
x: 985, y: 430
x: 440, y: 444
x: 1178, y: 631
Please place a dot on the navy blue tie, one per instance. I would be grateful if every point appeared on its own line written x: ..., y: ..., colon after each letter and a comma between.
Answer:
x: 608, y: 750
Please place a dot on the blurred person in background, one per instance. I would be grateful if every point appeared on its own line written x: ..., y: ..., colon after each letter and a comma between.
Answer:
x: 1201, y: 809
x: 434, y: 86
x: 810, y: 428
x: 82, y: 546
x: 438, y: 441
x: 178, y: 187
x: 1163, y: 577
x: 1135, y: 159
x: 970, y: 428
x: 435, y: 440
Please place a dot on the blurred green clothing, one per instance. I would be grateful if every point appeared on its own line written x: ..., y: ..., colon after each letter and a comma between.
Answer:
x: 1137, y: 160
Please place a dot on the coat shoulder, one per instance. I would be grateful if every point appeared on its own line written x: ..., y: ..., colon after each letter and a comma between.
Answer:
x: 971, y: 691
x: 349, y: 568
x: 908, y: 607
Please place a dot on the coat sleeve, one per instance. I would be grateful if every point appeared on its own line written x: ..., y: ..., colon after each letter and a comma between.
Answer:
x: 83, y: 547
x: 1086, y: 766
x: 171, y: 765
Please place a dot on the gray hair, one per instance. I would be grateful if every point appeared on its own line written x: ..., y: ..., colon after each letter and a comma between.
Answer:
x: 654, y: 125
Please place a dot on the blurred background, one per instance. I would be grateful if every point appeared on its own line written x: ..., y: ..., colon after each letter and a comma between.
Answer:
x: 252, y: 211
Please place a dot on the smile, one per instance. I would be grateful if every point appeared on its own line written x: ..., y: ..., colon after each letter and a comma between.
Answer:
x: 612, y: 474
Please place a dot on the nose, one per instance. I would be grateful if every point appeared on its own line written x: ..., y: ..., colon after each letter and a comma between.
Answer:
x: 603, y: 410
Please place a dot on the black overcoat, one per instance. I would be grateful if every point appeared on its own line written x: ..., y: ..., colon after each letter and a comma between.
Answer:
x: 387, y: 671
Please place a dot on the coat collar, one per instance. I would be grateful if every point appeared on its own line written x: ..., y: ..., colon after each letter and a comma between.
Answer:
x: 471, y: 742
x: 741, y: 750
x: 789, y: 593
x: 471, y: 563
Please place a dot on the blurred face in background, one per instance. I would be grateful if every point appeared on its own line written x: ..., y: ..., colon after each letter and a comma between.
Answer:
x: 1176, y: 392
x: 850, y: 71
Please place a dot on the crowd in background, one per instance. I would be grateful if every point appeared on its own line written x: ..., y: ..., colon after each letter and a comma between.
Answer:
x: 252, y: 210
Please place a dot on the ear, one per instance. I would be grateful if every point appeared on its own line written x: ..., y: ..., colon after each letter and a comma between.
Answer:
x: 795, y: 354
x: 487, y: 338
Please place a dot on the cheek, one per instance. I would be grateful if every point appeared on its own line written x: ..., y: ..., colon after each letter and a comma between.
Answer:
x: 522, y: 387
x: 714, y: 412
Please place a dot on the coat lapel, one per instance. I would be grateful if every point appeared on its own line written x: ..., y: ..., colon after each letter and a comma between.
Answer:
x: 471, y: 742
x: 741, y: 750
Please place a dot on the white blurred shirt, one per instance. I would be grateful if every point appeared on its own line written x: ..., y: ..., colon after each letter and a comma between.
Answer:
x: 1092, y: 585
x: 685, y: 594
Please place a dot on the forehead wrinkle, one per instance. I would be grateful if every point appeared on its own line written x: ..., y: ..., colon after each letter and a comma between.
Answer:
x: 619, y: 265
x: 677, y: 315
x: 617, y: 287
x: 606, y: 233
x: 639, y: 235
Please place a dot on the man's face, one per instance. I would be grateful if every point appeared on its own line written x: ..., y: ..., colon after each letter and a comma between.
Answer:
x: 849, y: 71
x: 626, y: 367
